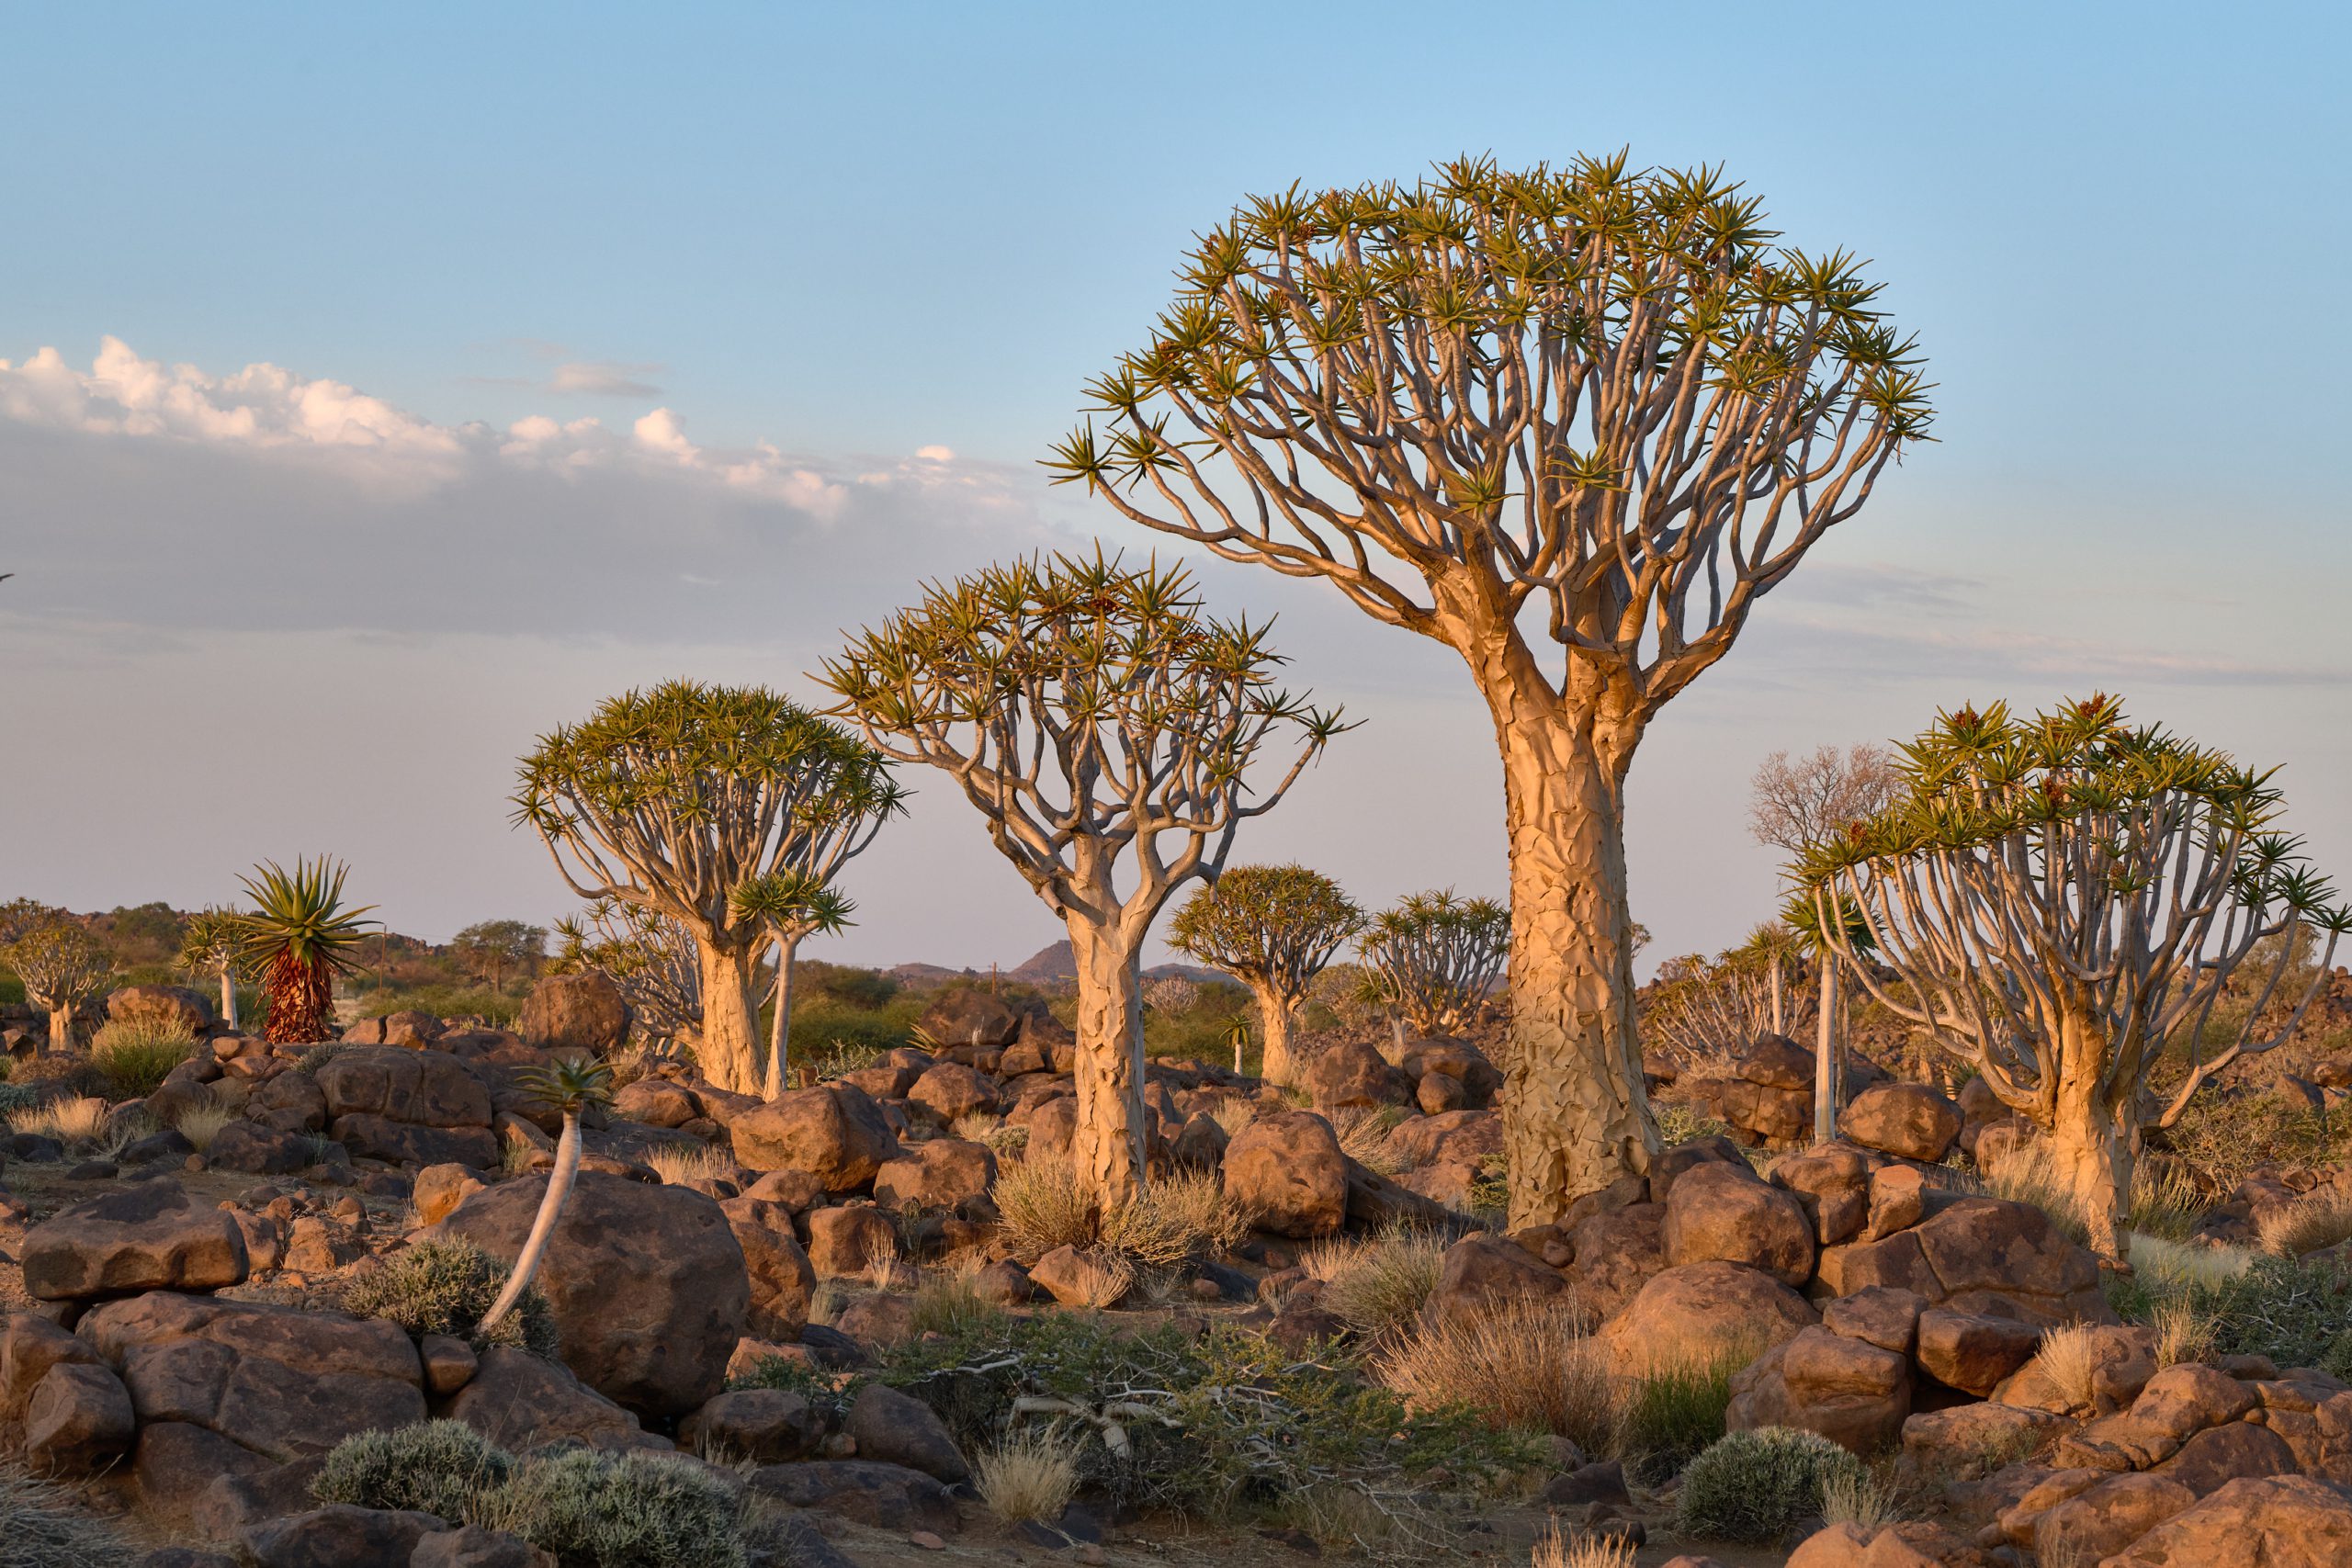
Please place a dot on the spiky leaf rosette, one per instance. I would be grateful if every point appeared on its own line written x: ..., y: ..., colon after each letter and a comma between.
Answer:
x: 1436, y: 956
x: 569, y: 1084
x: 1267, y: 925
x: 217, y: 940
x: 301, y: 937
x: 2074, y: 868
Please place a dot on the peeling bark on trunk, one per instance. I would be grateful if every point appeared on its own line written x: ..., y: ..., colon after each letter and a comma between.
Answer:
x: 727, y: 1052
x: 61, y: 1030
x: 1825, y: 1059
x: 1277, y: 1063
x: 1108, y: 1149
x: 1576, y: 1117
x: 2093, y: 1140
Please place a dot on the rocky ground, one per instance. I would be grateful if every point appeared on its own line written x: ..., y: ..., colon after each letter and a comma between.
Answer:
x: 191, y: 1331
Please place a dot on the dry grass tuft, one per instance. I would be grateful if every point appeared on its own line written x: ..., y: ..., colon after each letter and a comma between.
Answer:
x: 1377, y: 1284
x: 677, y: 1163
x: 1041, y: 1207
x: 2067, y: 1364
x: 79, y: 1123
x: 2323, y: 1218
x: 1857, y: 1497
x: 1103, y: 1280
x: 1554, y: 1550
x: 201, y: 1123
x: 976, y: 1126
x: 1030, y: 1476
x: 1173, y: 1218
x: 1233, y: 1113
x: 2182, y: 1332
x: 1363, y: 1136
x: 2170, y: 1265
x: 1527, y: 1365
x: 827, y: 1303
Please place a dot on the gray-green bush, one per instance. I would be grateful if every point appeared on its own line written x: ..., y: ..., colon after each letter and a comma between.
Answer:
x: 629, y: 1510
x: 440, y: 1467
x: 443, y: 1286
x: 1755, y: 1486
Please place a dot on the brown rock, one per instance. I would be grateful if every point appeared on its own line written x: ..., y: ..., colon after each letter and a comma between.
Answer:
x: 1974, y: 1352
x: 29, y: 1346
x: 2219, y: 1455
x: 1720, y: 1212
x: 657, y: 1102
x: 148, y: 1236
x: 950, y: 1090
x: 1480, y: 1273
x: 1970, y: 1253
x: 767, y: 1425
x: 1053, y: 1126
x: 583, y: 1012
x: 878, y: 1318
x: 449, y: 1364
x: 897, y: 1428
x: 832, y: 1131
x: 1619, y: 1251
x: 520, y: 1401
x: 2106, y: 1516
x: 964, y: 1016
x: 1462, y: 1136
x: 2187, y: 1398
x: 440, y: 1189
x: 424, y: 1088
x: 939, y: 1174
x: 1287, y: 1172
x: 474, y: 1547
x: 781, y: 1278
x: 1886, y: 1318
x: 1848, y: 1390
x: 647, y: 1283
x: 1702, y: 1312
x: 1905, y: 1119
x: 1832, y: 1181
x: 2286, y: 1521
x: 1436, y: 1094
x: 1963, y: 1433
x: 848, y: 1241
x: 1898, y: 1200
x: 167, y: 1007
x: 78, y: 1420
x: 289, y: 1102
x: 1353, y: 1073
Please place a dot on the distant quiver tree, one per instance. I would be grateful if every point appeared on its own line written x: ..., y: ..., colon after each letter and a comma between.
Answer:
x: 1571, y: 422
x: 675, y: 799
x: 652, y: 958
x: 63, y: 968
x: 1105, y: 727
x: 1435, y: 959
x: 1273, y: 928
x: 2060, y: 902
x: 214, y: 944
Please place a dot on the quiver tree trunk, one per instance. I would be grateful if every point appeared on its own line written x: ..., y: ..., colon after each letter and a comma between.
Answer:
x: 229, y: 999
x: 729, y: 1051
x: 61, y: 1030
x: 1826, y: 1077
x: 1576, y: 1118
x: 1276, y: 1016
x: 1107, y: 1151
x: 2092, y: 1131
x: 780, y: 1025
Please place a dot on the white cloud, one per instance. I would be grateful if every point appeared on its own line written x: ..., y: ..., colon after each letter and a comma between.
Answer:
x: 266, y: 408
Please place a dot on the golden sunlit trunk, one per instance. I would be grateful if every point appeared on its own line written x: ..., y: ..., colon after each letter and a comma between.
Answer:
x: 1277, y: 1064
x: 2092, y: 1139
x: 1108, y: 1148
x: 729, y: 1051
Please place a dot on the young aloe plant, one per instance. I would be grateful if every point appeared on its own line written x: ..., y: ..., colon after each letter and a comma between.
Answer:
x: 570, y: 1084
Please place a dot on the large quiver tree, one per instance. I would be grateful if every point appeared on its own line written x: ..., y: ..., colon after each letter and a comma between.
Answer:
x: 1273, y: 928
x: 1105, y: 726
x: 2060, y: 902
x: 1586, y: 408
x: 675, y: 799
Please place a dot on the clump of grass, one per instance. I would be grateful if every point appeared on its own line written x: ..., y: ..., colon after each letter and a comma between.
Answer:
x: 2067, y: 1364
x: 1755, y: 1486
x: 76, y: 1122
x: 1103, y: 1280
x: 1363, y: 1131
x: 677, y: 1163
x: 1673, y: 1411
x: 2321, y: 1219
x: 1526, y: 1366
x: 2183, y: 1332
x: 42, y: 1528
x: 2164, y: 1201
x: 202, y: 1122
x: 437, y: 1467
x: 1174, y: 1219
x: 444, y: 1286
x: 946, y: 1303
x: 1378, y: 1285
x: 1858, y: 1498
x: 1233, y: 1113
x: 515, y: 1155
x: 1041, y: 1207
x: 1030, y: 1475
x: 136, y: 1055
x: 975, y: 1126
x: 2297, y: 1312
x: 1554, y: 1550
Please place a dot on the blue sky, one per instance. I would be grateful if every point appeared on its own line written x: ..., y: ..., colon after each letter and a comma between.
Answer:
x: 859, y: 233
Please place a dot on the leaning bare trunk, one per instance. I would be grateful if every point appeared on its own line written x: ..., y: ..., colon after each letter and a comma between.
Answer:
x: 1108, y: 1150
x: 1276, y: 1064
x: 729, y: 1053
x: 1824, y: 1057
x: 229, y: 1000
x: 1576, y: 1118
x: 1780, y: 1016
x: 780, y: 1026
x: 2092, y: 1139
x: 551, y: 1201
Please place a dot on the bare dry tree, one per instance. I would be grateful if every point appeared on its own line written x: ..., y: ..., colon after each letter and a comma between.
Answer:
x: 1436, y: 958
x: 1105, y: 726
x: 63, y: 968
x: 651, y: 958
x: 674, y: 800
x: 2062, y: 901
x: 1590, y: 407
x: 1273, y: 928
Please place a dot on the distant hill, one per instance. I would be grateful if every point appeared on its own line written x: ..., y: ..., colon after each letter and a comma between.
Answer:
x: 1050, y: 964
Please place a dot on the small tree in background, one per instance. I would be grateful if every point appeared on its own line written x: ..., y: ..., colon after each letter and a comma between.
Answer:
x: 301, y: 939
x: 491, y: 950
x: 215, y: 945
x: 651, y: 957
x: 791, y: 906
x: 1572, y: 421
x: 1273, y: 928
x: 1105, y: 726
x: 1436, y: 958
x: 674, y: 800
x: 63, y: 966
x: 2063, y: 901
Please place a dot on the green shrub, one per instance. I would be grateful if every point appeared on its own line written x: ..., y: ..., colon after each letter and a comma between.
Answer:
x: 135, y: 1056
x: 629, y: 1510
x: 830, y: 1393
x: 2298, y: 1312
x: 1673, y: 1412
x: 1755, y: 1486
x: 443, y: 1286
x: 16, y: 1097
x: 438, y: 1467
x: 40, y: 1526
